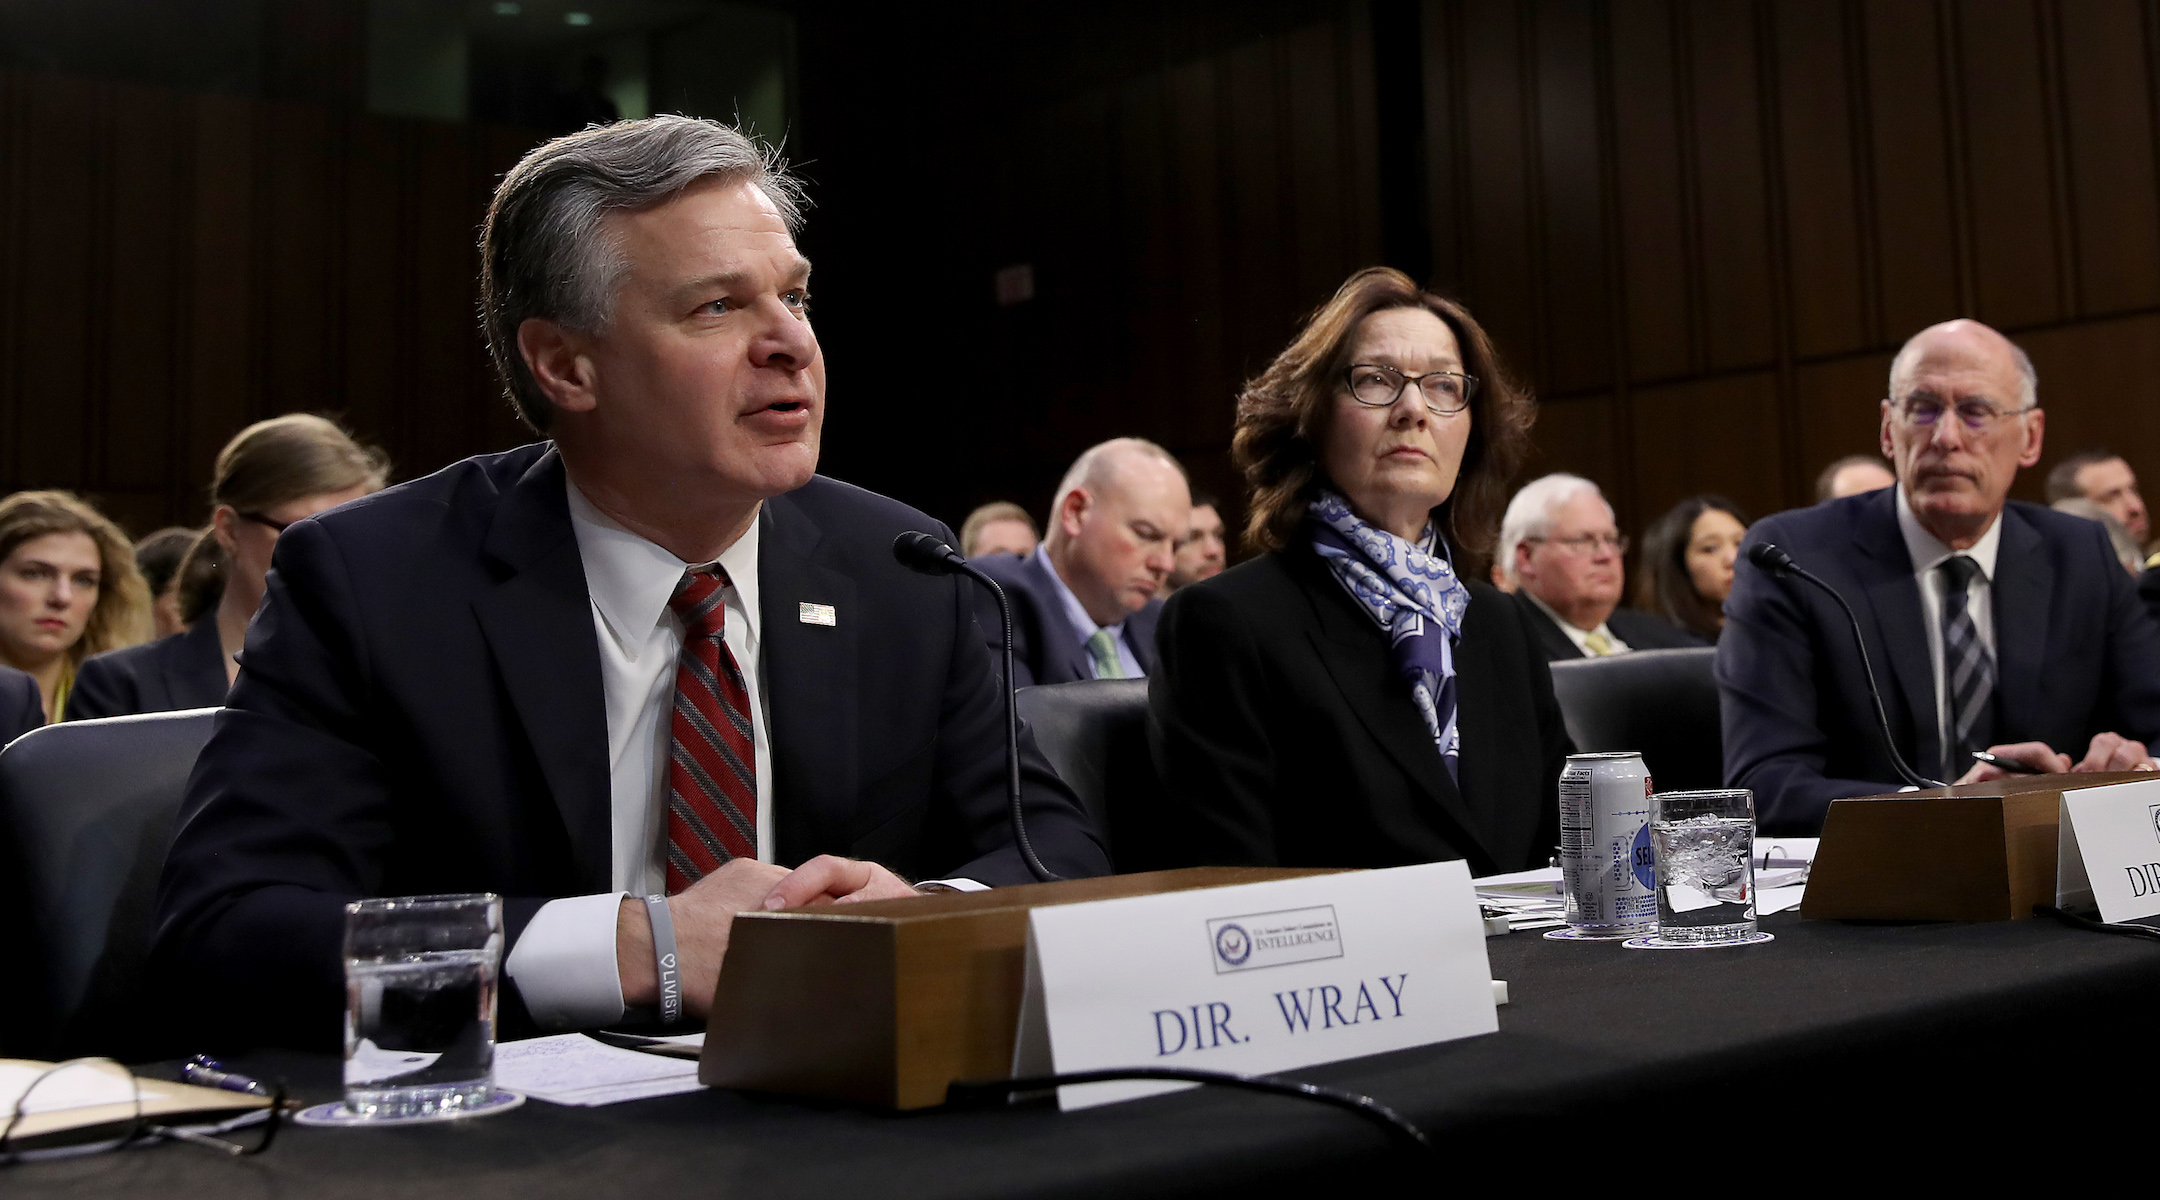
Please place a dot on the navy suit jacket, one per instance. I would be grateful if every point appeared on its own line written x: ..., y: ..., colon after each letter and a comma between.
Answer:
x: 1047, y: 646
x: 1285, y: 737
x: 185, y: 670
x: 2076, y: 654
x: 1640, y: 630
x: 421, y: 711
x: 22, y: 706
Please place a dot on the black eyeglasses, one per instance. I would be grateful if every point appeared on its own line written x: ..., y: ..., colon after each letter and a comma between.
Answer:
x: 267, y: 523
x: 1377, y: 386
x: 256, y: 1129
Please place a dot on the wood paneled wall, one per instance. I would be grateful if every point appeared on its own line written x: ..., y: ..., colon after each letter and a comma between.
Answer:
x: 174, y: 266
x: 1700, y: 228
x: 1704, y: 226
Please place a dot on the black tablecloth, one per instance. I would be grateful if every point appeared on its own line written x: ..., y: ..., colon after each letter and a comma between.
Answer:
x: 1832, y: 1039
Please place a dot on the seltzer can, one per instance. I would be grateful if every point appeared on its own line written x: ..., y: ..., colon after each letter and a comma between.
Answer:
x: 1608, y: 870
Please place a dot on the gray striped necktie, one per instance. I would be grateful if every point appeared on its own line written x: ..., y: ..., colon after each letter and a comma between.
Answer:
x: 1968, y: 669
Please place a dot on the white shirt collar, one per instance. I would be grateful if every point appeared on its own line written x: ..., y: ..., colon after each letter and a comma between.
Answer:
x: 1929, y: 551
x: 631, y: 579
x: 1073, y: 608
x: 1576, y: 633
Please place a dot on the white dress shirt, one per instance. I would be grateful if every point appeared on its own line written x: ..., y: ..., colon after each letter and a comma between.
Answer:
x: 1078, y: 614
x: 564, y: 963
x: 1928, y: 552
x: 1580, y: 636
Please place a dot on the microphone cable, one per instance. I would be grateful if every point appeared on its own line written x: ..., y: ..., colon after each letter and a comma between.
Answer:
x: 1397, y: 1127
x: 1775, y: 562
x: 924, y: 552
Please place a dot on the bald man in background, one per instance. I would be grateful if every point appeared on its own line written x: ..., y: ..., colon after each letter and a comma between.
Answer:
x: 1993, y: 625
x: 1084, y: 603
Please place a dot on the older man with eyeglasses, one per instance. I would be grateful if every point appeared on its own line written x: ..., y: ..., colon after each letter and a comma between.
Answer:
x: 1562, y: 554
x: 1993, y: 626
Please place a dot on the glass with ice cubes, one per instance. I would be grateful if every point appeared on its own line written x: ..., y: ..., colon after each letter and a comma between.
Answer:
x: 420, y: 974
x: 1705, y: 875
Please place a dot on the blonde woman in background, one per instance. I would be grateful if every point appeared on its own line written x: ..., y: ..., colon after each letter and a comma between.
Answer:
x: 68, y: 589
x: 270, y: 475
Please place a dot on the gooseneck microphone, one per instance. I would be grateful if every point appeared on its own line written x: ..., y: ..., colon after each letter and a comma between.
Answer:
x: 926, y: 553
x: 1776, y: 563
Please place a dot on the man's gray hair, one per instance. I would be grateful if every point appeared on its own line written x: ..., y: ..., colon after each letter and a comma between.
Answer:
x: 1529, y: 514
x: 2028, y: 377
x: 543, y: 251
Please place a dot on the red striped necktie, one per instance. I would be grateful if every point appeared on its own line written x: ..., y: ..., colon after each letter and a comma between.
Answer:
x: 712, y: 767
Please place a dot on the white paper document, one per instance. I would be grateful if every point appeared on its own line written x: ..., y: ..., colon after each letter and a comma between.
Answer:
x: 2108, y: 851
x: 82, y: 1085
x: 1254, y: 978
x: 574, y: 1069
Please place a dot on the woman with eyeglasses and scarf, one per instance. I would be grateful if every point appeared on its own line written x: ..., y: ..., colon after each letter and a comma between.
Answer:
x: 1348, y: 697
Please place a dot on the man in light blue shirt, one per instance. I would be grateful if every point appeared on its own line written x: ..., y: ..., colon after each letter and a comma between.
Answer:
x: 1084, y: 603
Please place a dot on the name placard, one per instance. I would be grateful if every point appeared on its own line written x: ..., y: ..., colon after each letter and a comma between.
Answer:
x: 2108, y: 853
x: 1255, y: 978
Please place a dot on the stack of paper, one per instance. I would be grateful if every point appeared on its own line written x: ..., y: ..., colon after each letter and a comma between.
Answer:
x: 574, y: 1069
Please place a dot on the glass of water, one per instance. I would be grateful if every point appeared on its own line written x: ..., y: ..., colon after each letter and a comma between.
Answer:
x: 420, y: 1005
x: 1705, y: 875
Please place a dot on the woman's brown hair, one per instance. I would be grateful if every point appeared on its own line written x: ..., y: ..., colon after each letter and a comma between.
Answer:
x: 1283, y: 411
x: 269, y: 464
x: 121, y: 616
x: 1663, y: 584
x: 291, y: 458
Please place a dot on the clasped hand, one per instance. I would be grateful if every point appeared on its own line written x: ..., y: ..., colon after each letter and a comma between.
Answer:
x: 2108, y: 752
x: 705, y: 912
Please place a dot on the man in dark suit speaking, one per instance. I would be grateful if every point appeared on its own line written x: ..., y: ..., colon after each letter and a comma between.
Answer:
x: 1993, y: 626
x: 656, y: 656
x: 1084, y: 603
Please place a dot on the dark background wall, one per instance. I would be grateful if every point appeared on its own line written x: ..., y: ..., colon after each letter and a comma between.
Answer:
x: 1698, y: 227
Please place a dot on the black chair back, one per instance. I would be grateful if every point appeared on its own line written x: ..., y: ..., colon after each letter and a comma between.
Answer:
x: 86, y: 816
x: 1663, y: 703
x: 1094, y: 732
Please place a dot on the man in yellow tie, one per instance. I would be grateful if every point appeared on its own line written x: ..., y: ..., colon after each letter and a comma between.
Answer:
x: 1563, y: 551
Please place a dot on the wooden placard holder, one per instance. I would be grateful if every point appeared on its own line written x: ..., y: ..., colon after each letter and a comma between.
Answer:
x: 1977, y: 852
x: 885, y: 1003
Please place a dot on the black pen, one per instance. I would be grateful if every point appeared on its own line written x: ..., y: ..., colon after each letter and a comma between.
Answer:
x: 205, y: 1071
x: 2007, y: 764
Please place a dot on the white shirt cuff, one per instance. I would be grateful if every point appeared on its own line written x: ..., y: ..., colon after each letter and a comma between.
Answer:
x: 564, y: 963
x: 958, y: 885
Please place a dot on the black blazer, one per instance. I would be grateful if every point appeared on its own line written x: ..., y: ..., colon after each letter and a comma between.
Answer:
x: 1047, y: 646
x: 1640, y: 630
x: 22, y: 706
x: 421, y: 711
x: 185, y: 670
x: 1286, y: 738
x: 2076, y: 654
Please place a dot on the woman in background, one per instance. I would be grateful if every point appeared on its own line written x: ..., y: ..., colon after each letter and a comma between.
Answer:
x: 270, y: 475
x: 1345, y: 698
x: 1687, y: 564
x: 68, y: 589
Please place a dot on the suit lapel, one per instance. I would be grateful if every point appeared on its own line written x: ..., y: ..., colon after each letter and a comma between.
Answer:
x: 809, y: 673
x: 1357, y: 658
x: 2023, y: 590
x: 1140, y: 635
x: 538, y: 623
x: 198, y: 666
x: 1064, y: 647
x: 1553, y: 640
x: 1893, y: 596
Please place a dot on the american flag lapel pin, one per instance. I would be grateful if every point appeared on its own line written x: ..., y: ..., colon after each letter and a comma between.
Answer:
x: 817, y: 614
